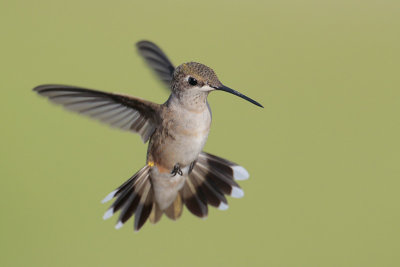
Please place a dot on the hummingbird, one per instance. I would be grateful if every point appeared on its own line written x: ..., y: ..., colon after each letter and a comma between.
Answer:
x: 177, y: 171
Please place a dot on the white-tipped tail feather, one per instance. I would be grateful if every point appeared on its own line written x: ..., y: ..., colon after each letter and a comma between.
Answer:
x: 237, y: 192
x: 211, y: 178
x: 223, y: 206
x: 109, y: 196
x: 108, y: 214
x: 240, y: 173
x: 119, y: 225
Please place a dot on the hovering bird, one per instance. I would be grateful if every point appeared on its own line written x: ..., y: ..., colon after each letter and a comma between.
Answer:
x: 177, y: 171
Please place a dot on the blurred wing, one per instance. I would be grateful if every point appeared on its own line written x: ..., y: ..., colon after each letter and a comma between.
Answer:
x: 124, y: 112
x: 157, y: 60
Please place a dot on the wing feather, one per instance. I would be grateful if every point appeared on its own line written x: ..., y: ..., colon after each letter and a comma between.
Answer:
x: 124, y: 112
x: 157, y: 60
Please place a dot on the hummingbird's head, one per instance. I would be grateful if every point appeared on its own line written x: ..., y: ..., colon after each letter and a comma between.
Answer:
x: 196, y: 78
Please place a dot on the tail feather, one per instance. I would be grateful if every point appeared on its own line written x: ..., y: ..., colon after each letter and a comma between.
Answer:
x: 174, y: 211
x: 210, y: 179
x: 118, y: 191
x: 194, y: 198
x: 131, y: 204
x: 196, y: 187
x: 118, y: 203
x: 211, y: 192
x: 134, y: 196
x: 156, y: 213
x: 217, y: 177
x: 145, y: 205
x: 125, y: 193
x: 221, y: 172
x: 230, y: 168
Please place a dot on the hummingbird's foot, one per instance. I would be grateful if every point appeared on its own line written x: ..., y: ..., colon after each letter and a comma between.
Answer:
x: 192, y: 166
x: 176, y: 170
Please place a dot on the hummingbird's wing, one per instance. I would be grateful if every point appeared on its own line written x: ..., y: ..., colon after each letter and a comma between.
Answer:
x: 157, y: 60
x: 124, y: 112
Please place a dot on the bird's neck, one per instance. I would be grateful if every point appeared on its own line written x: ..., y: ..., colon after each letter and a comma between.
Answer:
x: 191, y: 101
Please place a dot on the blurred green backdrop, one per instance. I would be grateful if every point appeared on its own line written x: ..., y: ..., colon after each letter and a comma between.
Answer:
x: 323, y: 155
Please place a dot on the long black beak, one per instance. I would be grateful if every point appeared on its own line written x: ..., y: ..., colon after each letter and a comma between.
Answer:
x: 229, y: 90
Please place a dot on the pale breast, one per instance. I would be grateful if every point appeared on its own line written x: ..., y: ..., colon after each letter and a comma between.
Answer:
x: 191, y: 132
x: 181, y: 137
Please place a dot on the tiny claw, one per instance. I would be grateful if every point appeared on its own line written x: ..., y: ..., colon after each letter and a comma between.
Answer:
x: 176, y: 170
x: 192, y: 166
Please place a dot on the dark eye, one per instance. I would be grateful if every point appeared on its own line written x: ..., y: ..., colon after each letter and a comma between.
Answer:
x: 192, y: 81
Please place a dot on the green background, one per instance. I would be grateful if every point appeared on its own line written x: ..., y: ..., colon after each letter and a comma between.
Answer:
x: 323, y: 154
